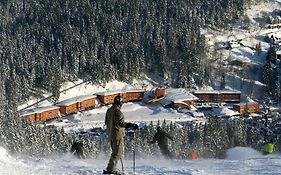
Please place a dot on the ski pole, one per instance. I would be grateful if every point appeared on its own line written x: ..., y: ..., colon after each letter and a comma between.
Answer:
x: 134, y: 152
x: 122, y: 164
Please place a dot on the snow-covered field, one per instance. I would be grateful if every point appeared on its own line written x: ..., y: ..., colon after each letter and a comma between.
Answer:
x: 240, y: 160
x: 136, y: 112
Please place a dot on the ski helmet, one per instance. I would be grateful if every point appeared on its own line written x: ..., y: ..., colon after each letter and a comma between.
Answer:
x: 118, y: 100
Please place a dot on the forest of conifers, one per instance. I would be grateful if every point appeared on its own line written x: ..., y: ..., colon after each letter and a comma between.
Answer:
x: 44, y: 43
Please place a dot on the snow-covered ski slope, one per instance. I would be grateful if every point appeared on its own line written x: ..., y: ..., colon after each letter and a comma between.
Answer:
x: 240, y: 160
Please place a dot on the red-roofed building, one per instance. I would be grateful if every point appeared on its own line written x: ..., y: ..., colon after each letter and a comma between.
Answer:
x: 41, y: 114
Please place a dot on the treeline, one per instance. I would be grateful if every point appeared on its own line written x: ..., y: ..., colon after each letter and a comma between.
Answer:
x: 44, y: 43
x: 211, y: 139
x: 270, y: 77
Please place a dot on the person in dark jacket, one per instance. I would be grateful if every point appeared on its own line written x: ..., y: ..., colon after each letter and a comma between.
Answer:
x: 77, y: 149
x: 161, y: 137
x: 115, y: 128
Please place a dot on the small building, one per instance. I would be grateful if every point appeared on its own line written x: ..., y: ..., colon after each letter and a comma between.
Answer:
x: 154, y: 96
x: 205, y: 95
x: 69, y: 106
x: 178, y: 98
x: 131, y: 95
x: 41, y: 114
x: 159, y: 92
x: 249, y: 107
x: 214, y: 96
x: 229, y: 96
x: 87, y: 101
x: 108, y: 97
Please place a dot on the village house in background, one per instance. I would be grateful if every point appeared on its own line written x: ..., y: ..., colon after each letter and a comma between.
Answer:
x: 41, y: 114
x: 247, y: 107
x: 178, y: 98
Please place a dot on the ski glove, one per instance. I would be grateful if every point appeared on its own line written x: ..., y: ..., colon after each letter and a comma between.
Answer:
x: 136, y: 127
x: 132, y: 125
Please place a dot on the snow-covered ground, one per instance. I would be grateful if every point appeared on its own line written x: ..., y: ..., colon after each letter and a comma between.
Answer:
x: 243, y: 63
x: 240, y: 160
x: 134, y: 112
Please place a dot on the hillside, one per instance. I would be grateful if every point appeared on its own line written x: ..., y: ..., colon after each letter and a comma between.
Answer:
x: 49, y: 43
x: 241, y: 65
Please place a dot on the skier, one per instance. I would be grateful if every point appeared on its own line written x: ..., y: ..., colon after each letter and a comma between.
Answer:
x: 193, y: 154
x: 115, y: 128
x: 77, y: 149
x: 161, y: 137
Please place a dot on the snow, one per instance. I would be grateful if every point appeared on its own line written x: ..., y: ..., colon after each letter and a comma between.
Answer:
x: 240, y: 160
x: 249, y: 38
x: 217, y: 92
x: 75, y: 99
x: 224, y: 112
x: 40, y: 109
x: 258, y: 11
x: 177, y: 96
x: 109, y: 93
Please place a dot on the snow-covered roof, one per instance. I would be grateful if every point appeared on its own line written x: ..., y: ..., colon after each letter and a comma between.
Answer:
x: 85, y: 97
x: 109, y: 92
x: 192, y: 108
x: 135, y: 90
x: 216, y: 92
x: 68, y: 102
x: 75, y: 99
x: 246, y: 103
x: 221, y: 112
x: 255, y: 115
x: 38, y: 110
x: 177, y: 96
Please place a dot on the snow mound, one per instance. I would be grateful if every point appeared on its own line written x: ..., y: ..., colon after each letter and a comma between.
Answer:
x: 3, y: 154
x: 242, y: 153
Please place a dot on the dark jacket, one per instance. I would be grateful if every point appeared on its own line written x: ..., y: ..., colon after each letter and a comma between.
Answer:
x: 77, y: 149
x: 161, y: 137
x: 115, y: 123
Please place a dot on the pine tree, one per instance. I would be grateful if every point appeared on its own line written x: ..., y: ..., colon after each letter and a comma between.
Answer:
x: 265, y: 78
x: 276, y: 84
x: 258, y: 48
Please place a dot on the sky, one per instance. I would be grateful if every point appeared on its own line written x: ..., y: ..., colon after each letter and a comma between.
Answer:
x: 239, y: 160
